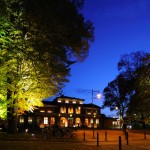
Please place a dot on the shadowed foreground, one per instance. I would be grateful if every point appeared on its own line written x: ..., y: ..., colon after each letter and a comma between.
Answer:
x: 27, y: 142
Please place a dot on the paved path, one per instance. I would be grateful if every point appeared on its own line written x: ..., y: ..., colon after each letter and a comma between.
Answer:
x: 137, y: 141
x: 109, y: 139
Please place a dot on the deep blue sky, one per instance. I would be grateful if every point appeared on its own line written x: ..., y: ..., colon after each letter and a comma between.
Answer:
x: 121, y: 27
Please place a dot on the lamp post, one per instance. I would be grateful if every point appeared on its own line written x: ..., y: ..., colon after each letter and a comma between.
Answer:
x: 120, y: 116
x: 98, y: 96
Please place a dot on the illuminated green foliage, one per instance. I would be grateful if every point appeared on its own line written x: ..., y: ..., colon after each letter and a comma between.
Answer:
x: 37, y: 47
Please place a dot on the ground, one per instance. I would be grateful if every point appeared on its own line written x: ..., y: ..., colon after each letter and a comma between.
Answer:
x: 108, y: 140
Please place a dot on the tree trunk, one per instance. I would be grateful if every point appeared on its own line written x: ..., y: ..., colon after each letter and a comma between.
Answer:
x: 12, y: 121
x: 11, y: 118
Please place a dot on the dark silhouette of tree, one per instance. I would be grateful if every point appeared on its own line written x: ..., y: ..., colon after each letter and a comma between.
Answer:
x: 116, y: 95
x: 129, y: 92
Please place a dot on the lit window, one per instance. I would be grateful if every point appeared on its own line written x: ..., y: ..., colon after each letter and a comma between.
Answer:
x: 59, y: 101
x: 86, y: 121
x: 30, y: 119
x: 42, y: 111
x: 78, y: 110
x: 21, y: 119
x: 88, y: 112
x: 49, y: 111
x: 45, y: 120
x: 63, y: 110
x: 70, y: 110
x: 97, y: 121
x: 77, y: 120
x: 52, y: 120
x: 74, y: 102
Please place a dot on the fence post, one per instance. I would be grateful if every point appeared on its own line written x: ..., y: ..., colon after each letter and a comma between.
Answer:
x: 97, y: 139
x: 105, y: 135
x: 127, y: 139
x: 120, y: 143
x: 84, y: 136
x: 144, y: 134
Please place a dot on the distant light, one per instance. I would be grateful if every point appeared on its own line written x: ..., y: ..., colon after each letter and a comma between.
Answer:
x: 99, y: 95
x: 26, y: 130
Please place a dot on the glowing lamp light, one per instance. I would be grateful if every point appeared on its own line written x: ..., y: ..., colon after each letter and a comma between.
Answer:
x: 99, y: 95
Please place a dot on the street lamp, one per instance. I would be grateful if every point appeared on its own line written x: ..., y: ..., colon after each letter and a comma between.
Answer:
x: 120, y: 116
x: 98, y: 96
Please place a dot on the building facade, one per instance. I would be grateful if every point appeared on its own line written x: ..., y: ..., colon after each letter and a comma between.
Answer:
x: 63, y: 111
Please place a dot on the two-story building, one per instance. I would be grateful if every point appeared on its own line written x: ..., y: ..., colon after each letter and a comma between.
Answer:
x: 63, y: 111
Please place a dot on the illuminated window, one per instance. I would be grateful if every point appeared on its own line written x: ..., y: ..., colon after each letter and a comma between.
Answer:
x: 86, y: 121
x: 49, y: 111
x: 42, y: 111
x: 91, y: 120
x: 77, y: 120
x: 94, y: 112
x: 21, y: 119
x: 59, y: 101
x: 30, y: 119
x: 45, y: 120
x: 52, y: 120
x: 97, y: 121
x: 63, y: 109
x: 78, y: 110
x: 70, y: 110
x: 66, y: 101
x: 88, y: 112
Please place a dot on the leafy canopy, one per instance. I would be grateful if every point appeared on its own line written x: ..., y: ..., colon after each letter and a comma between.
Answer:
x: 39, y: 41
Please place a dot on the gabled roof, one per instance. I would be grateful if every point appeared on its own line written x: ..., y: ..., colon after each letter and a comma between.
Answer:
x: 67, y: 97
x: 91, y: 105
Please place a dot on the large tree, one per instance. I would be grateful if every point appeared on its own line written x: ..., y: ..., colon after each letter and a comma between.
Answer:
x: 116, y: 95
x: 39, y: 40
x: 133, y: 92
x: 140, y: 101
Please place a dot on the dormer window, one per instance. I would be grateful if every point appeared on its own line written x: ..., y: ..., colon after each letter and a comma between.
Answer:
x: 59, y: 101
x: 42, y: 111
x: 67, y: 101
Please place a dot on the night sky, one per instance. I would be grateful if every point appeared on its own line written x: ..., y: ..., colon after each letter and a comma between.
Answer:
x: 121, y: 27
